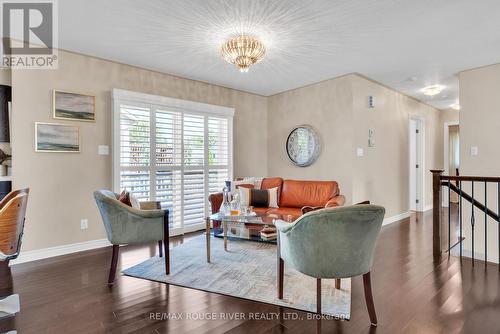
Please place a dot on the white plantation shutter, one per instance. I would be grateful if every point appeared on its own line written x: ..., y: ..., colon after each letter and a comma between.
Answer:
x: 135, y: 149
x: 168, y: 162
x: 218, y: 141
x: 218, y: 153
x: 173, y: 151
x: 193, y: 132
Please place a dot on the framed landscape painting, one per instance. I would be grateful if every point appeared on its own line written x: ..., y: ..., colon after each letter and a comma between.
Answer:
x: 50, y: 137
x: 73, y: 106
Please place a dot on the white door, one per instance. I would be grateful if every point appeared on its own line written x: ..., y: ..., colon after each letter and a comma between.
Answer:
x: 416, y: 166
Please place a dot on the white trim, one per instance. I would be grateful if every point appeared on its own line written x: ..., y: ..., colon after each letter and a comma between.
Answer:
x: 126, y: 95
x: 396, y: 218
x: 424, y: 209
x: 45, y: 253
x: 421, y: 162
x: 446, y: 152
x: 115, y: 147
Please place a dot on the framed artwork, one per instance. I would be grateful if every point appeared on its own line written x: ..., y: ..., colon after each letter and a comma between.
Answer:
x: 73, y: 106
x: 51, y: 137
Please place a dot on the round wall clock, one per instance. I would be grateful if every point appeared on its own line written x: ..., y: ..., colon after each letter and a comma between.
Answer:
x: 303, y: 145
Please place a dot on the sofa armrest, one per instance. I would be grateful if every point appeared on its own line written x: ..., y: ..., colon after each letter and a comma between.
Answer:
x: 338, y: 200
x: 215, y: 201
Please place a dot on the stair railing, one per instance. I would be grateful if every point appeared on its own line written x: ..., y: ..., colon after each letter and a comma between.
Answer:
x: 441, y: 230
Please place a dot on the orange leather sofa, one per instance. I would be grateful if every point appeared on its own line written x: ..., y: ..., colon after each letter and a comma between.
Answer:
x: 294, y: 195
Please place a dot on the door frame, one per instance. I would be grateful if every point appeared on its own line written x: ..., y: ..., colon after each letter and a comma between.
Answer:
x: 446, y: 152
x: 420, y: 160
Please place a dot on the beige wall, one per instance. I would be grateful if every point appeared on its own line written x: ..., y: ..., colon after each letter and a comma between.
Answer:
x: 449, y: 115
x: 480, y: 120
x: 382, y: 174
x: 338, y: 109
x: 327, y: 106
x: 480, y: 126
x: 62, y: 183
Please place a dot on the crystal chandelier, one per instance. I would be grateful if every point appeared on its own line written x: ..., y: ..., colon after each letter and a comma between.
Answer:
x: 243, y: 51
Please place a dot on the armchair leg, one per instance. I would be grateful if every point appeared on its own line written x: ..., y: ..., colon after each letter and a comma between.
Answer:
x: 114, y: 262
x: 166, y: 239
x: 337, y: 283
x: 369, y: 298
x: 160, y: 248
x: 281, y: 274
x: 318, y: 295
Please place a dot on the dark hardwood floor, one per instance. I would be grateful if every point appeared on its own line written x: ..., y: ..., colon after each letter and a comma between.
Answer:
x: 413, y: 291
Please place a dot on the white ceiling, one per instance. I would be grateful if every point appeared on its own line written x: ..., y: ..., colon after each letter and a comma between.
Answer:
x: 404, y: 44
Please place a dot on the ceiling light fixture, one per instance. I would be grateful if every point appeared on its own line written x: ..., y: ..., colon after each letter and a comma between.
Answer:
x: 243, y: 51
x: 432, y: 90
x: 455, y: 106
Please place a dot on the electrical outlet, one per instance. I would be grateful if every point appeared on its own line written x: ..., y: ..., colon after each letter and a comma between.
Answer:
x: 84, y: 224
x: 360, y: 152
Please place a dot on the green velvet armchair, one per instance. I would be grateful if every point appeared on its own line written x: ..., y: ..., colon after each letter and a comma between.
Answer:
x: 127, y: 225
x: 331, y: 243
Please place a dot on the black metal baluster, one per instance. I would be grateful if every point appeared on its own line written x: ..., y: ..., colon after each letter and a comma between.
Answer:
x: 498, y: 210
x: 460, y: 214
x: 485, y: 223
x: 472, y: 222
x: 449, y: 217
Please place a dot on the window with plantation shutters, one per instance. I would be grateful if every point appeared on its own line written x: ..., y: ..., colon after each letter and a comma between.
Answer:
x: 173, y: 151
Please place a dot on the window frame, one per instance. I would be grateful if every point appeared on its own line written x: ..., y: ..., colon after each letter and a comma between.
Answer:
x: 154, y: 102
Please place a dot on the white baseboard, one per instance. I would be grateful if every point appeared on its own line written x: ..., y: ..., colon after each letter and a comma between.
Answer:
x: 396, y: 218
x: 427, y: 208
x: 45, y: 253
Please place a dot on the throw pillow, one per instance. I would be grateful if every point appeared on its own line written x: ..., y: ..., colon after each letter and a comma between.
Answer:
x: 125, y: 197
x: 246, y: 183
x: 259, y: 198
x: 134, y: 202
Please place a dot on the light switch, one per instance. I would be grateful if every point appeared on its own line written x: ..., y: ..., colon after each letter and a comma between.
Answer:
x: 103, y: 150
x: 474, y: 150
x: 360, y: 152
x: 371, y: 139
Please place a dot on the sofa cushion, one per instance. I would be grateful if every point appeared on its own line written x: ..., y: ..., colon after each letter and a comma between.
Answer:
x: 295, y: 212
x: 296, y: 193
x: 272, y: 182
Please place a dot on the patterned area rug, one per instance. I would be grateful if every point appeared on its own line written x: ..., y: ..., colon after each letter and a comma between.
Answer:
x: 247, y: 270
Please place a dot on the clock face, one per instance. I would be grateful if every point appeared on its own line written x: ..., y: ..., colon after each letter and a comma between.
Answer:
x: 302, y: 146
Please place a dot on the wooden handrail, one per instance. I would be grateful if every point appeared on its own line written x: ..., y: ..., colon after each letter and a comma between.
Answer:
x: 470, y: 178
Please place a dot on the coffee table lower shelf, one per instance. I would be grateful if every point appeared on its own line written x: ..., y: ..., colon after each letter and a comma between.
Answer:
x: 225, y: 226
